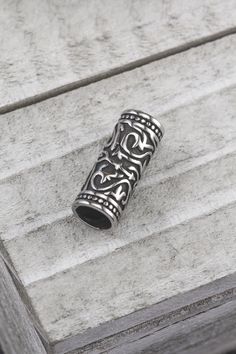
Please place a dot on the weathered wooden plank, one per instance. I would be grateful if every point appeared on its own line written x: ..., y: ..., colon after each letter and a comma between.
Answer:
x: 42, y: 195
x: 72, y: 121
x: 143, y: 323
x: 199, y: 147
x: 59, y: 188
x: 209, y: 332
x: 78, y: 39
x: 65, y: 243
x: 186, y: 236
x: 137, y: 275
x: 17, y: 334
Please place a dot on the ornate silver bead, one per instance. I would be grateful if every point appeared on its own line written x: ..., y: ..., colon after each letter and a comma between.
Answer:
x: 119, y: 167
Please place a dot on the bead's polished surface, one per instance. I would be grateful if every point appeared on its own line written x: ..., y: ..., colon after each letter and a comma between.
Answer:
x: 118, y: 169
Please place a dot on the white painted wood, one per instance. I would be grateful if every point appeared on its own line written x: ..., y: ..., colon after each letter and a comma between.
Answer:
x: 47, y: 46
x: 179, y: 229
x: 17, y: 334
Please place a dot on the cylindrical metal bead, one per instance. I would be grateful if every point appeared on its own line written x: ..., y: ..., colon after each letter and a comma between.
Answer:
x: 118, y: 169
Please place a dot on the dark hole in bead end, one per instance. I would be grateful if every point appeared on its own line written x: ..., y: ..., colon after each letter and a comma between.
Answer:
x: 93, y: 217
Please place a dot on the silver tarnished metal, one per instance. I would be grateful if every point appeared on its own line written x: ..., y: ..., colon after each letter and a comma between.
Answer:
x: 119, y: 167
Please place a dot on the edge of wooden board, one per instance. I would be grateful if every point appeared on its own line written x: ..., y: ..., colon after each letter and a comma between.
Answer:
x: 151, y: 319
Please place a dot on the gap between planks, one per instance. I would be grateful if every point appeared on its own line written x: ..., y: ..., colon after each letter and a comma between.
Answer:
x: 187, y: 101
x: 151, y: 320
x: 115, y: 71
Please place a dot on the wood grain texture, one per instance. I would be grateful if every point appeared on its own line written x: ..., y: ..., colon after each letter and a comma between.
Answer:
x: 57, y: 246
x: 80, y: 118
x: 17, y: 334
x: 129, y: 331
x: 138, y: 275
x: 210, y: 332
x: 59, y: 43
x: 179, y: 230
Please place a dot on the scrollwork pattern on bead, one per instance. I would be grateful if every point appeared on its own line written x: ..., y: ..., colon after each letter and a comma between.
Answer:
x: 124, y: 158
